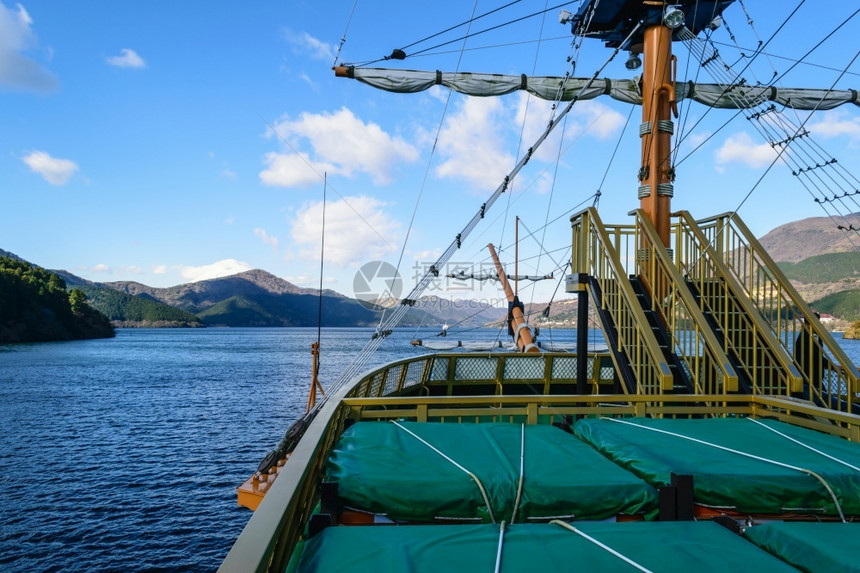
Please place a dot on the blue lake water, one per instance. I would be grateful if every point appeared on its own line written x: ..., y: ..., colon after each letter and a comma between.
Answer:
x: 124, y: 453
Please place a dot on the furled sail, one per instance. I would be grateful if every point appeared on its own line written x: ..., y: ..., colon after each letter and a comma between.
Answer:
x: 549, y: 88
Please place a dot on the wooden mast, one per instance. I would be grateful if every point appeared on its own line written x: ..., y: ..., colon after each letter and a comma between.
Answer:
x: 658, y: 102
x: 520, y: 328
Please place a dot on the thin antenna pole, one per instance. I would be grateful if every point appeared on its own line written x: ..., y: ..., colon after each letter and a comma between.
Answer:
x: 322, y: 258
x: 315, y: 346
x: 517, y: 256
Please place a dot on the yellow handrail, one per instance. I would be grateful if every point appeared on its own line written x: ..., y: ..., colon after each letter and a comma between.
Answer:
x: 596, y: 255
x: 745, y: 332
x: 832, y: 380
x: 692, y: 339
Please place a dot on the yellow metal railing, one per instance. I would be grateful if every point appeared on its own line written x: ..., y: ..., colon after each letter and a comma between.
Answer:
x: 596, y: 253
x: 829, y: 377
x: 746, y: 335
x: 691, y: 337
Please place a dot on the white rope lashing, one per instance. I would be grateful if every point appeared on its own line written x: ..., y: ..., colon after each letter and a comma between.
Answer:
x: 808, y: 447
x: 599, y: 544
x: 745, y: 454
x: 499, y: 548
x: 458, y: 466
x: 522, y: 473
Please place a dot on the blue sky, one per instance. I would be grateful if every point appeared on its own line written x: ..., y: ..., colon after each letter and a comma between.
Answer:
x: 137, y: 138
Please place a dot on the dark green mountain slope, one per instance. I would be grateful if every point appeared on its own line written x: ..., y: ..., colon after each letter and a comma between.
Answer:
x: 831, y: 267
x: 127, y: 310
x: 844, y: 304
x: 266, y: 309
x: 35, y: 307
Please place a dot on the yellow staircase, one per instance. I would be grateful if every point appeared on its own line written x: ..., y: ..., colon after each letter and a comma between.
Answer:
x: 712, y: 315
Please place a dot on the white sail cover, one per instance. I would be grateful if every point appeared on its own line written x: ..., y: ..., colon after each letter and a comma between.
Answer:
x: 548, y: 87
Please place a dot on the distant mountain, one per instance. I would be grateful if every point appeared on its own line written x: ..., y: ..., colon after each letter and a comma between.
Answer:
x: 125, y: 310
x: 435, y: 311
x: 818, y: 258
x: 821, y: 262
x: 199, y: 296
x: 799, y: 240
x: 13, y: 256
x: 286, y: 309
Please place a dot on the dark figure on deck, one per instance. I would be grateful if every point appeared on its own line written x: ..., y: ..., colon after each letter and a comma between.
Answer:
x: 809, y: 356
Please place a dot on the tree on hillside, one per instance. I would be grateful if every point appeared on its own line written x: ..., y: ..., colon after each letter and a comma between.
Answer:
x: 34, y: 306
x: 77, y: 299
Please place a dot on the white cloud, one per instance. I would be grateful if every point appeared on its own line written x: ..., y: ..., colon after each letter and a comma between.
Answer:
x: 471, y: 144
x: 300, y: 280
x: 695, y: 139
x: 357, y: 229
x: 216, y: 270
x: 836, y: 124
x: 474, y: 141
x: 590, y: 118
x: 54, y: 171
x: 291, y: 170
x: 304, y: 43
x: 127, y: 59
x: 100, y: 268
x: 264, y: 236
x: 159, y: 270
x: 229, y: 220
x: 17, y: 70
x: 430, y: 256
x: 307, y: 79
x: 341, y: 144
x: 228, y: 174
x: 740, y: 148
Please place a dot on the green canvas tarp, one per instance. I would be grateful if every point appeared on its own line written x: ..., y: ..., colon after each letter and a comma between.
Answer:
x: 653, y: 546
x: 731, y: 480
x: 810, y: 546
x: 383, y: 468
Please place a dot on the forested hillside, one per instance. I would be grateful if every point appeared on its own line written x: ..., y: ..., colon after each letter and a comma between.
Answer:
x: 35, y: 307
x: 126, y: 310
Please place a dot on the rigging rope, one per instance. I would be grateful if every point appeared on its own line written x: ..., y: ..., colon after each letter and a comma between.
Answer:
x: 461, y: 24
x: 343, y: 38
x: 386, y: 328
x: 402, y: 56
x: 429, y: 162
x: 814, y: 170
x: 819, y: 171
x: 686, y: 34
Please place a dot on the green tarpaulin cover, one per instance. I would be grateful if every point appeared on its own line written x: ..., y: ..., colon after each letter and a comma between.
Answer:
x: 814, y: 547
x: 731, y: 480
x: 655, y: 546
x: 382, y: 468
